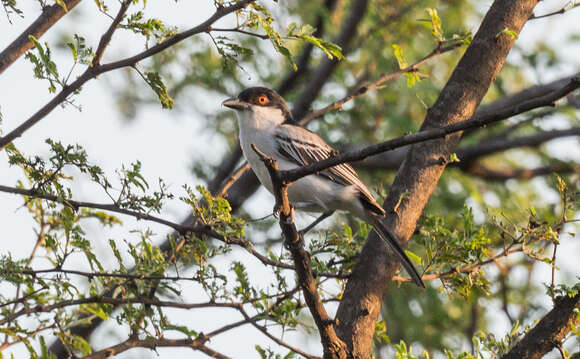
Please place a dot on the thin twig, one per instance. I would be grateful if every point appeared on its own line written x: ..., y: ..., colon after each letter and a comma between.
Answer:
x: 337, y: 105
x: 238, y: 30
x: 563, y: 10
x: 273, y: 338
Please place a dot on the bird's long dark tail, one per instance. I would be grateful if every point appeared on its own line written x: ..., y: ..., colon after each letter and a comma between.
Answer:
x: 388, y: 237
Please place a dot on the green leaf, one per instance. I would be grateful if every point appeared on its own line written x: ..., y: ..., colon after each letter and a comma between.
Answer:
x: 95, y: 309
x: 398, y: 51
x: 62, y: 4
x: 413, y: 256
x: 265, y: 20
x: 436, y: 29
x: 157, y: 85
x: 510, y: 33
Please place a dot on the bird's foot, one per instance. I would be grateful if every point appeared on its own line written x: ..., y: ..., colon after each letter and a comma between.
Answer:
x: 292, y: 246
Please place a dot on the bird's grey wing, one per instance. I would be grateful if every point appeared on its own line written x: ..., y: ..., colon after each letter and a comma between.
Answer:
x: 304, y: 147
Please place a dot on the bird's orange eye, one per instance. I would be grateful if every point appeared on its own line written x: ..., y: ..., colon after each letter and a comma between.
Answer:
x: 262, y: 100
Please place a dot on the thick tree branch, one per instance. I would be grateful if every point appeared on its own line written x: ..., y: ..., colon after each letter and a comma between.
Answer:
x: 50, y: 16
x: 467, y: 154
x: 92, y: 72
x: 333, y: 347
x: 480, y: 170
x: 549, y: 332
x: 360, y: 306
x: 427, y: 134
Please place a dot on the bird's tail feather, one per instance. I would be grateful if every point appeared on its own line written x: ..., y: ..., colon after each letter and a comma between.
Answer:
x: 388, y: 237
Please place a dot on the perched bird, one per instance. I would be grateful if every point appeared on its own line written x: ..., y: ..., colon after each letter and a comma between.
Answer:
x: 265, y: 120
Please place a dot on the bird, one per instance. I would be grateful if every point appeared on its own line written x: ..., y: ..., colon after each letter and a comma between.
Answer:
x: 265, y: 120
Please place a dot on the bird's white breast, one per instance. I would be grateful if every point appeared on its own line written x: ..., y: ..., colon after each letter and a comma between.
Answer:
x: 256, y: 128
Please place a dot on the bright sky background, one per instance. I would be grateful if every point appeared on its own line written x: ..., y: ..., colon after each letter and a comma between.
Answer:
x: 167, y: 142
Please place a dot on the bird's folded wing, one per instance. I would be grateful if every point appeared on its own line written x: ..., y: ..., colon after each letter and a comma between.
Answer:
x: 303, y: 147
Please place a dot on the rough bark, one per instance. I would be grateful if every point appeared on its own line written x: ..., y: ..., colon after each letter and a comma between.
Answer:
x: 420, y: 172
x: 549, y: 332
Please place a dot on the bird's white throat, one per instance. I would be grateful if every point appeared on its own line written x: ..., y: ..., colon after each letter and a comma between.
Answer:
x: 260, y: 118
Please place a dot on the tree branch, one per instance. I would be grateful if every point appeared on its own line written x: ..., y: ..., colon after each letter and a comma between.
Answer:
x: 46, y: 308
x: 549, y: 332
x: 469, y: 154
x: 273, y: 338
x: 480, y: 170
x: 495, y: 145
x: 433, y: 133
x: 321, y: 74
x: 562, y: 10
x: 106, y: 38
x: 332, y: 345
x: 337, y: 105
x: 92, y: 72
x: 152, y: 344
x: 182, y: 229
x: 50, y: 16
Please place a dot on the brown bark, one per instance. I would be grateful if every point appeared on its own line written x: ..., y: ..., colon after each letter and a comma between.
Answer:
x: 420, y: 172
x: 466, y: 154
x: 549, y: 332
x: 50, y: 15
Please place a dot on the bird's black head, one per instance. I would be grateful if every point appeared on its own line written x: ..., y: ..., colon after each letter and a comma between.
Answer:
x: 262, y: 97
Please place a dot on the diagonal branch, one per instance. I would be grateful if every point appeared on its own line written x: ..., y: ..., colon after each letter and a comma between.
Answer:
x: 550, y: 331
x: 337, y: 105
x: 466, y: 154
x: 480, y: 170
x: 50, y: 15
x: 106, y: 38
x: 433, y: 133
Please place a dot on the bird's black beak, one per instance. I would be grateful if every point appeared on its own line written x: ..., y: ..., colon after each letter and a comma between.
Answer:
x: 235, y: 104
